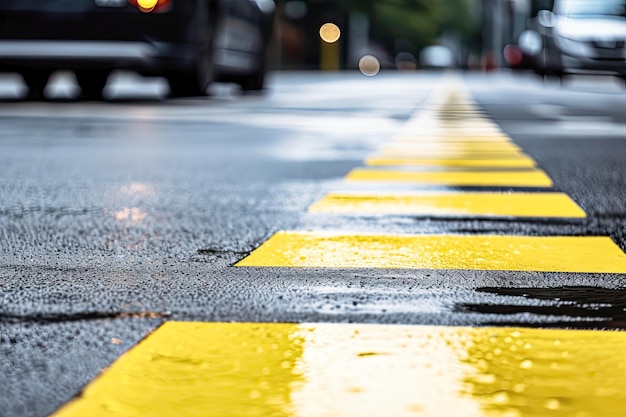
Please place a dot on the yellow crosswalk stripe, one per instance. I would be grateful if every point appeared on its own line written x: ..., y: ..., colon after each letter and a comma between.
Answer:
x: 501, y: 178
x: 464, y: 137
x: 451, y: 153
x: 355, y: 370
x: 518, y: 161
x: 470, y: 252
x: 473, y: 126
x: 475, y: 204
x: 470, y: 129
x: 483, y: 147
x: 433, y: 123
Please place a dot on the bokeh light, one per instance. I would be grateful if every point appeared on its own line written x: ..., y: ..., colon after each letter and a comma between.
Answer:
x: 147, y: 5
x: 513, y: 55
x: 330, y: 32
x: 369, y: 65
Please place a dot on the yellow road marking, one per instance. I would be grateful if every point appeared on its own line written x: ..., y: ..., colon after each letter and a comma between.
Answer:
x: 468, y: 112
x: 453, y: 204
x: 449, y: 137
x: 422, y: 127
x: 357, y: 370
x: 437, y: 125
x: 435, y: 122
x: 520, y: 161
x: 451, y: 153
x: 471, y: 252
x: 433, y: 118
x: 531, y: 178
x: 451, y: 146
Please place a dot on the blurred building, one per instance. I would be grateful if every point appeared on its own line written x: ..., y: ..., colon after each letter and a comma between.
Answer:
x: 298, y: 45
x: 364, y: 32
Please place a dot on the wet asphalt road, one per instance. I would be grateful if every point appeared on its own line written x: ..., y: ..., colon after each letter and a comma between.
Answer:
x: 117, y: 216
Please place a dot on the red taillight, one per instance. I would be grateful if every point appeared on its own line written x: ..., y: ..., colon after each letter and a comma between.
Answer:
x: 513, y: 55
x: 148, y: 6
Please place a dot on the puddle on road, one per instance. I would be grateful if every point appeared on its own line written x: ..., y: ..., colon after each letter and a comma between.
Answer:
x: 573, y: 307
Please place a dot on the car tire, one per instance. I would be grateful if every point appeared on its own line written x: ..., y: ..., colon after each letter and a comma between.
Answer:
x: 36, y: 81
x: 187, y: 83
x: 253, y: 83
x: 92, y: 83
x: 194, y: 80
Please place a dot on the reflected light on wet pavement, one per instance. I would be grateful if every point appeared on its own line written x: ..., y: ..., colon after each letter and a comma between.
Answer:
x: 138, y: 189
x: 133, y: 215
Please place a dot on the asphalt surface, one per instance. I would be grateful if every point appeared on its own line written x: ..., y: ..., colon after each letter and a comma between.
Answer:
x: 117, y: 216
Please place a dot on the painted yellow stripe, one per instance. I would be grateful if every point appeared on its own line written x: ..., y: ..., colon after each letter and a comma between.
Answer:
x: 422, y: 128
x: 510, y: 162
x: 357, y: 370
x: 468, y: 112
x: 434, y: 118
x: 459, y: 153
x: 453, y: 204
x: 471, y: 252
x: 433, y: 122
x: 449, y: 137
x: 531, y: 178
x: 436, y: 122
x: 475, y: 147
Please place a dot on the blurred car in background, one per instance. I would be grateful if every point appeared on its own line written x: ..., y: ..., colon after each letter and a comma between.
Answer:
x: 578, y: 37
x: 437, y: 56
x: 189, y: 42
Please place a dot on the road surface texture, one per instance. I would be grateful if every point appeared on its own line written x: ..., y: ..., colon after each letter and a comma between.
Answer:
x: 407, y: 244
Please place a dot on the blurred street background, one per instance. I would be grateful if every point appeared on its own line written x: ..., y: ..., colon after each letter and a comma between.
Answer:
x: 409, y: 219
x: 399, y: 33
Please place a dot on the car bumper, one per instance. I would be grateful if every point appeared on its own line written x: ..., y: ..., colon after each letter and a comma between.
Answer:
x: 581, y: 65
x: 65, y: 54
x: 77, y: 34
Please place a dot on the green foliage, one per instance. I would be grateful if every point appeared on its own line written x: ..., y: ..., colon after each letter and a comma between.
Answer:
x: 420, y: 21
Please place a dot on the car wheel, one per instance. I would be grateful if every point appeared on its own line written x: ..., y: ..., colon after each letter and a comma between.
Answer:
x: 187, y: 83
x: 194, y: 81
x: 554, y: 61
x: 253, y: 83
x: 256, y: 81
x: 36, y: 81
x: 92, y: 83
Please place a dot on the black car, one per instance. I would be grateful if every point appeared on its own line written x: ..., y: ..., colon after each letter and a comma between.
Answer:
x: 189, y: 42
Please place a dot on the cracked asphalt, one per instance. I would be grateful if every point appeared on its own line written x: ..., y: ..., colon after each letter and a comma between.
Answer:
x: 117, y: 216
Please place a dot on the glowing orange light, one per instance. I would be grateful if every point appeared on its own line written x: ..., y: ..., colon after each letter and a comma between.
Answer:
x: 330, y: 32
x: 147, y: 6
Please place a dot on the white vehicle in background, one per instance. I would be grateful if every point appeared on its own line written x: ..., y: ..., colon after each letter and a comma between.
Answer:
x: 437, y: 56
x: 578, y: 37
